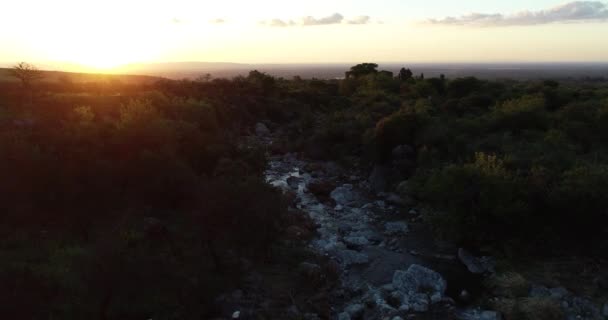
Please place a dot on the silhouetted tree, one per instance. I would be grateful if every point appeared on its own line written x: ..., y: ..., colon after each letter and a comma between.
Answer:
x: 27, y: 73
x: 362, y: 69
x: 405, y: 74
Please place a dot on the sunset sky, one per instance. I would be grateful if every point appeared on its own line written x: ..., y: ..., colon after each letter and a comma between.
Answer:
x: 108, y: 33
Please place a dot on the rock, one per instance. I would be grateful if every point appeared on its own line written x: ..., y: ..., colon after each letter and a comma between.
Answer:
x: 476, y: 314
x: 476, y: 265
x: 418, y: 279
x: 420, y: 303
x: 261, y: 130
x: 436, y: 297
x: 320, y: 188
x: 356, y: 242
x: 236, y: 315
x: 558, y: 293
x: 338, y: 207
x: 350, y: 257
x: 397, y: 318
x: 378, y: 179
x: 397, y: 200
x: 398, y: 228
x: 311, y: 316
x: 355, y: 311
x: 343, y: 316
x: 294, y: 182
x: 403, y: 188
x: 413, y: 212
x: 333, y: 169
x: 344, y: 195
x: 293, y: 312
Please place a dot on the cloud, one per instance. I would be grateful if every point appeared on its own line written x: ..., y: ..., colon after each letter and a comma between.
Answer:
x: 335, y: 18
x: 577, y: 11
x: 217, y: 21
x: 359, y: 20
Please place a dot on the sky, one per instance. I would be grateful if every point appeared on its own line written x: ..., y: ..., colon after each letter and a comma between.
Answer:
x: 108, y: 33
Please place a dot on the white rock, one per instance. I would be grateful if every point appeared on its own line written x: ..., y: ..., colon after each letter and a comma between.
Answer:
x: 236, y: 315
x: 418, y: 279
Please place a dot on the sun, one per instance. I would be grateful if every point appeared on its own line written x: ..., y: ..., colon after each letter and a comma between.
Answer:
x: 100, y: 48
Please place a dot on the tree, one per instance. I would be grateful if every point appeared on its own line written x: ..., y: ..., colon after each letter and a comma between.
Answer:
x: 362, y: 69
x: 27, y: 73
x: 405, y: 74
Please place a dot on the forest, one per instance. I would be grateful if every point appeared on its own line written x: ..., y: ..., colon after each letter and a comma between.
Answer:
x: 148, y: 199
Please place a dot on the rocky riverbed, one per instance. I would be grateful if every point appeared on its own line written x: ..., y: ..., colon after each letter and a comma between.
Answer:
x: 390, y: 265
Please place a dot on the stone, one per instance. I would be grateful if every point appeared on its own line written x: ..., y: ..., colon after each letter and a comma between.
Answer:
x: 397, y: 228
x: 311, y: 316
x: 476, y: 314
x: 476, y: 265
x: 418, y: 279
x: 558, y: 293
x: 343, y: 316
x: 236, y: 315
x: 413, y: 212
x: 397, y: 318
x: 436, y: 297
x: 356, y: 242
x: 350, y: 257
x: 261, y: 130
x: 355, y: 311
x: 419, y: 302
x: 403, y: 188
x: 397, y: 200
x: 320, y: 188
x: 294, y: 182
x: 378, y: 179
x: 344, y: 195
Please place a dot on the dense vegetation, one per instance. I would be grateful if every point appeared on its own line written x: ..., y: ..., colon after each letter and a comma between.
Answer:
x: 126, y: 203
x: 115, y: 192
x: 518, y: 166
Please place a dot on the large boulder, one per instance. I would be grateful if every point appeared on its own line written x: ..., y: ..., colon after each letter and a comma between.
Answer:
x: 418, y: 279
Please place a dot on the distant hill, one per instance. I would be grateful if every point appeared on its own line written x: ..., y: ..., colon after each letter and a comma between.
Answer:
x: 520, y: 71
x: 139, y: 72
x: 79, y: 77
